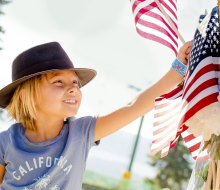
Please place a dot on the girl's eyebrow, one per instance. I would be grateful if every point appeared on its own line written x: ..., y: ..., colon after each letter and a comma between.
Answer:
x: 57, y: 74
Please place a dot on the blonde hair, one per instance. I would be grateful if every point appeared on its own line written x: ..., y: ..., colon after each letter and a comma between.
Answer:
x: 22, y: 105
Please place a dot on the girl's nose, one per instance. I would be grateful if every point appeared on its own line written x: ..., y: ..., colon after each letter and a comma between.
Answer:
x: 73, y: 89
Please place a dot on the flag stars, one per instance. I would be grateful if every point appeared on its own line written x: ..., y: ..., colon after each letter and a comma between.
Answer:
x: 206, y: 46
x: 210, y: 25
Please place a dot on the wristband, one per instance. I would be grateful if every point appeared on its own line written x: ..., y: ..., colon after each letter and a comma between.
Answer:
x: 179, y: 67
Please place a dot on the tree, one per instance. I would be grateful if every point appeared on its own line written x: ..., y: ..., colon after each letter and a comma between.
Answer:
x: 2, y: 2
x: 174, y: 170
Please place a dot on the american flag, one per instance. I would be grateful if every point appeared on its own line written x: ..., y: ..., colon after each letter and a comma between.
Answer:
x: 152, y: 24
x: 200, y: 89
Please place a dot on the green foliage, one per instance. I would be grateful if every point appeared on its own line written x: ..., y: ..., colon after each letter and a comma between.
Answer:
x: 95, y: 181
x: 174, y: 170
x: 2, y: 3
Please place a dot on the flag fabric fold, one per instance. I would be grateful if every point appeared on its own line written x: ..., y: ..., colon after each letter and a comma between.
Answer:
x: 151, y: 23
x: 184, y: 106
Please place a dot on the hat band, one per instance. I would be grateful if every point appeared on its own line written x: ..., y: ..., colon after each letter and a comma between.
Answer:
x: 43, y: 66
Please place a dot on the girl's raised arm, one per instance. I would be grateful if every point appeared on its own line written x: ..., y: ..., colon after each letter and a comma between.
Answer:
x: 144, y: 102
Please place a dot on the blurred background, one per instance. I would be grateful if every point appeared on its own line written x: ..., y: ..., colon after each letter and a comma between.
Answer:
x: 101, y: 34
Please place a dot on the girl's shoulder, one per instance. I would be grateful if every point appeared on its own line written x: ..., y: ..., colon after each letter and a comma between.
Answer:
x: 81, y: 120
x: 82, y: 123
x: 6, y: 136
x: 5, y: 133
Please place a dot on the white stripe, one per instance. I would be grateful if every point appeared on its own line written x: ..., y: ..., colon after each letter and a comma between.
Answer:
x: 174, y: 104
x: 165, y: 132
x: 156, y: 33
x: 158, y: 22
x: 132, y: 2
x: 142, y: 5
x: 195, y: 153
x: 197, y: 98
x: 199, y: 81
x: 193, y: 141
x: 168, y: 12
x: 202, y: 154
x: 202, y: 64
x: 171, y: 5
x: 206, y: 76
x: 175, y: 98
x: 168, y: 115
x: 165, y: 150
x: 167, y: 138
x: 157, y: 11
x: 165, y: 123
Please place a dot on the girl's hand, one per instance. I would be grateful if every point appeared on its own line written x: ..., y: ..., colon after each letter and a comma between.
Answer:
x: 184, y: 52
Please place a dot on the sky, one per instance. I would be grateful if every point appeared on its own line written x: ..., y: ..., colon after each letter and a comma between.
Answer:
x: 98, y: 34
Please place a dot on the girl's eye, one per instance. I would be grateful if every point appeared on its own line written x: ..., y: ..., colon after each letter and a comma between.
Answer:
x: 76, y: 83
x: 58, y: 82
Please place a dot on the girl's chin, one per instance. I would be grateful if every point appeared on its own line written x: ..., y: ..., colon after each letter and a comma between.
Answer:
x: 71, y: 115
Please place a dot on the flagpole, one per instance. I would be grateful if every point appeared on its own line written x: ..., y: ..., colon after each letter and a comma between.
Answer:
x: 170, y: 21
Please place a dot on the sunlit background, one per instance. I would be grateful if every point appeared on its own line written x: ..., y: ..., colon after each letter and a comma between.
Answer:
x: 99, y: 34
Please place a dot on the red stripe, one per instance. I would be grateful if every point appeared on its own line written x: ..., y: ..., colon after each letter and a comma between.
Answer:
x: 199, y: 105
x: 162, y: 129
x: 165, y: 104
x: 174, y: 4
x: 195, y: 147
x: 201, y: 87
x: 158, y: 149
x: 189, y: 138
x: 160, y: 139
x: 158, y: 28
x: 171, y: 94
x: 156, y: 16
x: 171, y: 108
x: 164, y: 120
x: 170, y: 10
x: 205, y: 69
x: 149, y: 7
x: 157, y: 39
x: 148, y: 10
x: 173, y: 144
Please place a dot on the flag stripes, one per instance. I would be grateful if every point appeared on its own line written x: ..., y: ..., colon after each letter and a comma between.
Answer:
x: 200, y: 90
x: 151, y: 23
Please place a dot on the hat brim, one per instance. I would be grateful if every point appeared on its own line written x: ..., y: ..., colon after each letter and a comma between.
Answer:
x: 85, y: 75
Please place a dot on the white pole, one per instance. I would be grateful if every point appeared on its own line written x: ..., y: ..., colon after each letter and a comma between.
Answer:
x: 170, y: 21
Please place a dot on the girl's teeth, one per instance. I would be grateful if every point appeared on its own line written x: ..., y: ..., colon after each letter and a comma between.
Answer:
x: 70, y: 101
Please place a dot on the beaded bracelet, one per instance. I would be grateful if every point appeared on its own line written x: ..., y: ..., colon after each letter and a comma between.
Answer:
x: 179, y: 67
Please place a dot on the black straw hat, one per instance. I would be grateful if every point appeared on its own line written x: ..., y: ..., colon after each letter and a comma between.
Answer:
x: 38, y: 60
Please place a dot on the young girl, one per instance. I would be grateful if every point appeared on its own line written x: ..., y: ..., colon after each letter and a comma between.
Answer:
x: 47, y: 148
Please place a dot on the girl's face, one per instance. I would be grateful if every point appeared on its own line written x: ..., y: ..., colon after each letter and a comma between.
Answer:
x: 59, y: 95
